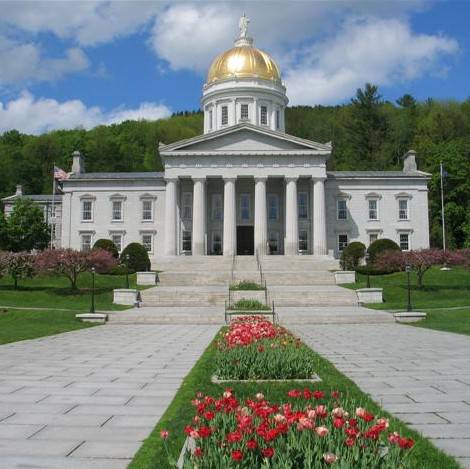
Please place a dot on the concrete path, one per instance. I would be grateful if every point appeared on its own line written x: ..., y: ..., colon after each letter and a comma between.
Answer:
x: 87, y: 399
x: 419, y: 375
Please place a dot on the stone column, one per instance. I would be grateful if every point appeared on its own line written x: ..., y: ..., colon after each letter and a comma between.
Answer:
x: 261, y: 220
x: 199, y: 217
x: 291, y: 245
x: 170, y: 217
x: 230, y: 217
x: 319, y: 218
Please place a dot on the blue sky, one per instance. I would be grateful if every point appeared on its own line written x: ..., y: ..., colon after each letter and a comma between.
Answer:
x: 68, y: 63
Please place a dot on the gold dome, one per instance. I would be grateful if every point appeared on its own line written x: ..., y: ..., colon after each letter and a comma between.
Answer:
x: 243, y: 61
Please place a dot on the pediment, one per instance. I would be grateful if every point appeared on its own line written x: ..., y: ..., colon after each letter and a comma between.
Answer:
x: 244, y: 138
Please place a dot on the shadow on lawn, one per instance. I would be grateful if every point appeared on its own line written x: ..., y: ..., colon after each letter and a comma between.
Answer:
x: 66, y: 291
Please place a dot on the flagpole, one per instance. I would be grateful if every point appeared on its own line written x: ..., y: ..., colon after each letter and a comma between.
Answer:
x: 442, y: 212
x: 53, y: 206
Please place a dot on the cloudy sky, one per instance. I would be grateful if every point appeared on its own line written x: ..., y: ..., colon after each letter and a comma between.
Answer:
x: 71, y: 63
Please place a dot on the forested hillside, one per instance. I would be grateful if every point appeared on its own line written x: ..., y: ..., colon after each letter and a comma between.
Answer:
x: 367, y: 133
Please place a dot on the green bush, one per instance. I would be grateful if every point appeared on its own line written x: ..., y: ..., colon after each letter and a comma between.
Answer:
x: 373, y: 270
x: 379, y: 246
x: 245, y: 285
x: 249, y: 305
x: 119, y: 270
x: 107, y: 245
x: 352, y: 255
x: 138, y: 258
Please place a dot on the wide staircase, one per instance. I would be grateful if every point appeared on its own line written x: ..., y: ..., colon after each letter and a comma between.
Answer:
x: 204, y: 281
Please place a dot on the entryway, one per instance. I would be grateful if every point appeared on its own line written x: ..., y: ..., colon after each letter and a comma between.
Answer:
x: 245, y: 240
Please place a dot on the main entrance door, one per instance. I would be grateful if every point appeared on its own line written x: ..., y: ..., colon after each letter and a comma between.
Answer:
x: 245, y: 240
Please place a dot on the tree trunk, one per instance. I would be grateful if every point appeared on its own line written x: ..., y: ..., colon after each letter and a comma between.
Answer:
x: 15, y: 279
x: 419, y: 276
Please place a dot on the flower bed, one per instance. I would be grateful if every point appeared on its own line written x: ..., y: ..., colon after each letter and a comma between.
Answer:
x: 249, y: 305
x: 309, y: 430
x: 256, y: 349
x: 247, y: 285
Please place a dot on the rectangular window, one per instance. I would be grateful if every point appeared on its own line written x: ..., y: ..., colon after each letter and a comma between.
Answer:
x: 264, y: 115
x: 273, y: 242
x: 117, y: 210
x: 224, y: 115
x: 373, y: 209
x: 147, y: 210
x: 187, y: 209
x: 373, y: 237
x: 273, y: 207
x: 217, y: 207
x: 117, y: 240
x: 86, y: 242
x: 244, y: 112
x: 216, y: 243
x: 403, y: 209
x: 147, y: 241
x: 342, y: 242
x: 342, y: 209
x: 303, y: 205
x: 303, y: 240
x: 245, y: 207
x: 87, y: 210
x: 186, y: 241
x: 404, y: 241
x: 278, y: 119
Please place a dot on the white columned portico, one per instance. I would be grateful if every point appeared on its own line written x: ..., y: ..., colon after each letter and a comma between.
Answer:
x: 230, y: 225
x: 199, y: 217
x: 170, y: 216
x: 261, y: 221
x: 319, y: 218
x: 292, y: 222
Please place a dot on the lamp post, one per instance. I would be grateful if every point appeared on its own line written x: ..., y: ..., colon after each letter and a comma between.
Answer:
x: 408, y: 272
x: 367, y: 257
x: 92, y: 306
x: 127, y: 271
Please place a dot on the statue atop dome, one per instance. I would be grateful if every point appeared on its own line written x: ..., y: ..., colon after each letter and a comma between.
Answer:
x: 243, y: 25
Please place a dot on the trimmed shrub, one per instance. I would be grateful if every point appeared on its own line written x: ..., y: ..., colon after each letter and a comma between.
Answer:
x: 138, y: 258
x: 107, y: 245
x: 352, y: 255
x: 119, y: 270
x: 379, y: 246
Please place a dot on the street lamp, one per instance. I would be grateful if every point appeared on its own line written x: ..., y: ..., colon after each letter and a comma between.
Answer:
x: 408, y: 272
x: 367, y: 257
x: 127, y: 271
x: 92, y: 307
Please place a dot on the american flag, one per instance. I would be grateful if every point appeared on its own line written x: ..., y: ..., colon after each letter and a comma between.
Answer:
x: 60, y: 174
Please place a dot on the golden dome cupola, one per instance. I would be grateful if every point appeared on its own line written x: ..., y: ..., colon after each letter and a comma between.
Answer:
x: 244, y: 85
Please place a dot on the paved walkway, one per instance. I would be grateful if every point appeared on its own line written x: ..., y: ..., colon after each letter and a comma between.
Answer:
x: 419, y: 375
x: 87, y: 399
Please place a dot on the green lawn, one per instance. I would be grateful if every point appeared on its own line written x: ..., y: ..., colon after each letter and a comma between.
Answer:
x: 450, y: 320
x: 55, y: 292
x: 442, y: 289
x: 23, y: 324
x: 152, y: 456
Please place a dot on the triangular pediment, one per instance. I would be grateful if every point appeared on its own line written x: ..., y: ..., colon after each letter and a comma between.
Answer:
x: 244, y: 138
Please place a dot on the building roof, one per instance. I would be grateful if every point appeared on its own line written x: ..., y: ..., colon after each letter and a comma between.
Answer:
x: 376, y: 174
x: 121, y: 176
x: 34, y: 197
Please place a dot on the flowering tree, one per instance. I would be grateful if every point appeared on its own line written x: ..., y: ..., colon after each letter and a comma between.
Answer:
x: 72, y: 263
x: 3, y: 263
x: 420, y: 261
x: 19, y: 265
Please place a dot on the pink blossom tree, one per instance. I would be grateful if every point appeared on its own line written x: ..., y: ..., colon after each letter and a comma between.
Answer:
x: 420, y: 261
x: 18, y: 265
x: 71, y: 263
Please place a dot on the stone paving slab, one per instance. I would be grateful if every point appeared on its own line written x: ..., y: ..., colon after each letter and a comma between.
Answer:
x: 87, y: 399
x: 420, y: 375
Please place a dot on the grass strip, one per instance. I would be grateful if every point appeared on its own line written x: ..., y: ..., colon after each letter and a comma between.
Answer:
x: 18, y: 325
x: 151, y: 455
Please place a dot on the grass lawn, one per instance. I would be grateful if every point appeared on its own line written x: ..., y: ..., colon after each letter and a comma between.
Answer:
x: 152, y: 455
x: 442, y: 289
x: 55, y: 292
x: 23, y: 324
x: 450, y: 320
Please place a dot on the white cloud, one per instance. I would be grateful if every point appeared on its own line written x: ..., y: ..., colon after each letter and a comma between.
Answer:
x: 23, y: 62
x: 378, y: 51
x: 34, y: 116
